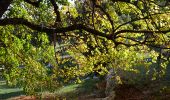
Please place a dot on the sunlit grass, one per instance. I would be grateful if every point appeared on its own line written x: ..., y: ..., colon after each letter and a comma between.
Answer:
x: 68, y: 89
x: 6, y: 89
x: 7, y: 92
x: 74, y: 90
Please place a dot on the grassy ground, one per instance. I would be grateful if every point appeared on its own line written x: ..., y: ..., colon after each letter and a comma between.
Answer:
x: 87, y: 91
x: 75, y: 90
x: 8, y: 92
x: 69, y: 91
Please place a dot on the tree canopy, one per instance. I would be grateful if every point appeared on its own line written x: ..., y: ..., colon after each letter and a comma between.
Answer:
x: 145, y: 19
x: 86, y: 36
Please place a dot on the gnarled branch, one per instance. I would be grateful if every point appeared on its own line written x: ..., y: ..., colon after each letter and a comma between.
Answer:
x: 49, y: 30
x: 36, y: 4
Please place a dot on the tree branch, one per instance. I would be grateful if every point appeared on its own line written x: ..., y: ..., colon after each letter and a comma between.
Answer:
x: 107, y: 14
x: 58, y: 18
x: 127, y: 1
x: 141, y: 31
x: 50, y: 30
x: 36, y: 4
x: 138, y: 19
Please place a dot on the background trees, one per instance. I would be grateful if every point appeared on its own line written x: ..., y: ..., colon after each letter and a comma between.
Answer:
x: 97, y: 34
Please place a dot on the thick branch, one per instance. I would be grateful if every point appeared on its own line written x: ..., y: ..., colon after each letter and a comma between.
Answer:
x: 36, y: 4
x: 48, y: 30
x: 58, y: 18
x: 141, y: 31
x: 147, y: 43
x: 135, y: 40
x: 127, y: 1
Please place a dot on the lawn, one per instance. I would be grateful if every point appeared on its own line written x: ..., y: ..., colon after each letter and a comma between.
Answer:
x: 74, y: 90
x: 8, y: 92
x: 69, y: 91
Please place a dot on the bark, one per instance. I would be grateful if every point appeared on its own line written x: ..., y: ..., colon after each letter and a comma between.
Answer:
x: 50, y: 30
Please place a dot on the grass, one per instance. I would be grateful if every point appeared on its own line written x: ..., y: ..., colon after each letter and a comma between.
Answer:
x: 8, y: 92
x: 70, y: 90
x: 74, y: 90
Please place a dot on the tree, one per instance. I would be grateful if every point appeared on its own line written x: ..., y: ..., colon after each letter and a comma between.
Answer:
x: 150, y: 13
x: 29, y: 27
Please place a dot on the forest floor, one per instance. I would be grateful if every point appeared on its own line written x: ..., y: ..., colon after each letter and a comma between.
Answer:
x: 88, y: 91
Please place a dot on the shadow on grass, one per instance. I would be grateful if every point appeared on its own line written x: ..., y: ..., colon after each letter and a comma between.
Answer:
x: 88, y: 85
x: 4, y: 86
x: 9, y: 95
x: 8, y: 92
x: 74, y: 90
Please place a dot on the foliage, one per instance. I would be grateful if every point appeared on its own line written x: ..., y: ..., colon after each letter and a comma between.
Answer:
x: 95, y: 35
